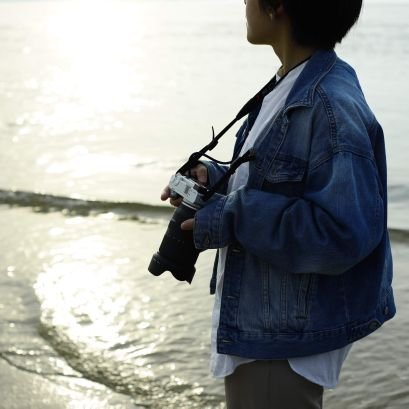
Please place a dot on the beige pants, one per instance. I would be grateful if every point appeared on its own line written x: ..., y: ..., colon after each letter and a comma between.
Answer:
x: 270, y: 385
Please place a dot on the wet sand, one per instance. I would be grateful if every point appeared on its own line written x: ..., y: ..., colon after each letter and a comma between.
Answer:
x: 77, y: 303
x: 23, y: 390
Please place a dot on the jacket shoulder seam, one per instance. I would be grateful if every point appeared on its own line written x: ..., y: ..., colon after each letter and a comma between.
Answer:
x: 341, y: 149
x: 330, y: 115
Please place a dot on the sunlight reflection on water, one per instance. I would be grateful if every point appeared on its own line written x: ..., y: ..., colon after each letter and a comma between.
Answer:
x: 102, y: 99
x: 112, y: 321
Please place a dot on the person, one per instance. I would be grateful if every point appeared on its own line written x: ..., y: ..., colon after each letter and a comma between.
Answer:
x: 303, y: 267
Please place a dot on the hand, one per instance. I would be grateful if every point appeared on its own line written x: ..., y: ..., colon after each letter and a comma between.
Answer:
x: 165, y: 195
x: 188, y: 224
x: 198, y: 173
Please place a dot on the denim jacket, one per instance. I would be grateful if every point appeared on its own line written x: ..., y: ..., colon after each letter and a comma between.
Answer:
x: 309, y: 265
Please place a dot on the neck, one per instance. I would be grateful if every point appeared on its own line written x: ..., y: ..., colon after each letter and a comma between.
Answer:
x: 290, y: 55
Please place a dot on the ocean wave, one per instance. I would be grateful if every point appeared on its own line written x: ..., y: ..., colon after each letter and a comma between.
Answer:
x: 46, y: 203
x: 398, y: 192
x: 399, y: 235
x: 141, y: 212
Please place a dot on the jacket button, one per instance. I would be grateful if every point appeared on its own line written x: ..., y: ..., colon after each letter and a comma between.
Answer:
x: 373, y: 325
x: 386, y: 310
x: 236, y: 248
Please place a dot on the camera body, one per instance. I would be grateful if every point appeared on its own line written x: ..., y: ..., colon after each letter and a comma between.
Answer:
x: 177, y: 252
x: 191, y: 192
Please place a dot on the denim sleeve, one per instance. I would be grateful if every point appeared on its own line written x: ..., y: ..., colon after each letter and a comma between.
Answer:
x: 336, y: 224
x: 214, y: 172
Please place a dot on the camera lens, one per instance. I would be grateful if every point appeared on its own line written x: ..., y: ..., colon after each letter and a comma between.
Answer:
x: 177, y: 252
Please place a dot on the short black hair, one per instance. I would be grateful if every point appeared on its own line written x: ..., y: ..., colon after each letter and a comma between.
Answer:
x: 319, y: 23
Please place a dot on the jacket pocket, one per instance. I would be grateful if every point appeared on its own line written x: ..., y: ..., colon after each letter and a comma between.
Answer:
x: 286, y: 176
x: 297, y: 293
x: 304, y: 296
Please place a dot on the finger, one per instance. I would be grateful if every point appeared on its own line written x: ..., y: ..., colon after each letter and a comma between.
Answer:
x: 188, y: 224
x: 202, y: 174
x: 176, y: 202
x: 199, y: 173
x: 165, y: 193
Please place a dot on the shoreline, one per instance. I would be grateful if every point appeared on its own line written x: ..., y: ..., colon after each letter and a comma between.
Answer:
x: 24, y: 390
x: 33, y: 243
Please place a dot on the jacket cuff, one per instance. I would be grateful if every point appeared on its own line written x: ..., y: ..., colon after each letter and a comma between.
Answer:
x: 214, y: 173
x: 207, y: 233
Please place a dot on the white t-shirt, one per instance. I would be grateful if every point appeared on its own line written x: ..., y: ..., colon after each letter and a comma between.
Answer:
x: 322, y: 369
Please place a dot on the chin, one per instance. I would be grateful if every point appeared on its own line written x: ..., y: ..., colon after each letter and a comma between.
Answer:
x: 252, y: 40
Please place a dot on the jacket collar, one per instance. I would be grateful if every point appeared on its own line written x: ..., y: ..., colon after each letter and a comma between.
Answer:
x: 317, y: 67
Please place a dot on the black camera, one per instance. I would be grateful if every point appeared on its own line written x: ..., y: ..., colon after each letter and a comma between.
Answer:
x: 177, y: 252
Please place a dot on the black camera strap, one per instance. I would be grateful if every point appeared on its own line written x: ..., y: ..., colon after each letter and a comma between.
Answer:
x: 246, y: 157
x: 248, y: 107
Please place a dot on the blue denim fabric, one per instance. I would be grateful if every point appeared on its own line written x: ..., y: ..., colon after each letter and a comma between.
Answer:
x: 309, y: 266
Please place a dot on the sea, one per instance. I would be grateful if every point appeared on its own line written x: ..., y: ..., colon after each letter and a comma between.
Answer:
x: 101, y: 101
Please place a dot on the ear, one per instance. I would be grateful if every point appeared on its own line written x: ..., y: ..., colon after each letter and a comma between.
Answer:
x: 279, y: 9
x: 276, y: 11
